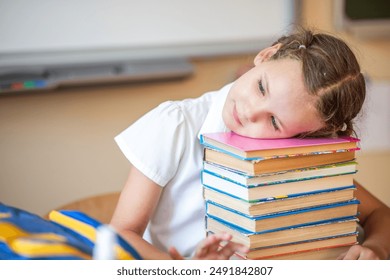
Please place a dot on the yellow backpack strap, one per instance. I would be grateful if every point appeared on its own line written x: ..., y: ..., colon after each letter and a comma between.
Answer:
x: 85, y: 226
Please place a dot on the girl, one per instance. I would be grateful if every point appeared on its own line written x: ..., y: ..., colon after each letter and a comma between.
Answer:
x: 305, y: 84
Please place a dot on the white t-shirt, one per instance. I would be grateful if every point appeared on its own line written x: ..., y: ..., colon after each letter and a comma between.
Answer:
x: 164, y: 145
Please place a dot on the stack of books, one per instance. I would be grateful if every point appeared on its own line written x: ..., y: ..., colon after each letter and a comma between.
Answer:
x: 283, y: 198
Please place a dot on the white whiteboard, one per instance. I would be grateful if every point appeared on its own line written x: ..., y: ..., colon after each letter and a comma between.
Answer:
x: 60, y: 31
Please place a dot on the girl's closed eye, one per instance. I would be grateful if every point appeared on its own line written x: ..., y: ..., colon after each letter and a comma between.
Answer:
x: 261, y: 87
x: 273, y: 119
x: 274, y: 123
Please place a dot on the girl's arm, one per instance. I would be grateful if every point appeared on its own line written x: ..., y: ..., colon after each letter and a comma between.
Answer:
x: 375, y: 219
x: 135, y: 207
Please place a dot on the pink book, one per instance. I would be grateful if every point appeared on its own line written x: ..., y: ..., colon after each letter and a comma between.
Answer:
x: 251, y: 148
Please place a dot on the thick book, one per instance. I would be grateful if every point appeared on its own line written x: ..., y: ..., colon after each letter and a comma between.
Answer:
x: 263, y: 207
x: 241, y: 178
x: 329, y: 253
x: 278, y: 190
x: 282, y: 237
x: 276, y: 164
x: 300, y: 247
x: 283, y: 220
x: 323, y: 253
x: 253, y: 148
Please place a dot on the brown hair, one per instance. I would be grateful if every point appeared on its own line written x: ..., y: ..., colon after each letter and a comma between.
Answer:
x: 331, y: 73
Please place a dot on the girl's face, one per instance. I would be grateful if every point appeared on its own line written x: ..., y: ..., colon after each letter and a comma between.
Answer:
x: 271, y: 101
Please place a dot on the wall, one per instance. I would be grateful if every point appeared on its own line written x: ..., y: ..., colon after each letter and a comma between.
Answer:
x: 372, y: 54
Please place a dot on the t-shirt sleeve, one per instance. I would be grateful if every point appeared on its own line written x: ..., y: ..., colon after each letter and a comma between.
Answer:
x: 155, y: 143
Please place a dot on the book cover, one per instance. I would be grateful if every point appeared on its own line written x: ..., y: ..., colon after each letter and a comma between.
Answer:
x: 301, y: 246
x: 281, y: 176
x: 276, y: 164
x: 282, y: 237
x: 331, y: 252
x: 283, y: 220
x: 281, y: 204
x: 252, y: 149
x: 275, y: 190
x: 327, y: 253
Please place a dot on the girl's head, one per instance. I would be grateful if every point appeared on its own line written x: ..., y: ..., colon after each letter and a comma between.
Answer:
x: 305, y: 84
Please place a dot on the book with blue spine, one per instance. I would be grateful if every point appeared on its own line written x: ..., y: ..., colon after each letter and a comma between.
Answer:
x: 280, y: 204
x: 283, y: 176
x: 275, y: 190
x: 283, y: 220
x: 274, y: 237
x: 301, y: 247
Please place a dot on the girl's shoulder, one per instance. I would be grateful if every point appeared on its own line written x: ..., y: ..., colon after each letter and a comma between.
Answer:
x: 190, y: 107
x: 190, y: 111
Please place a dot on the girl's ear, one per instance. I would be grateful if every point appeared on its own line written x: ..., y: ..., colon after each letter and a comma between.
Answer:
x: 266, y: 53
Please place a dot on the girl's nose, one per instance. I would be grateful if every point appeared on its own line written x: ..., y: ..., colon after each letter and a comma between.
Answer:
x: 254, y: 112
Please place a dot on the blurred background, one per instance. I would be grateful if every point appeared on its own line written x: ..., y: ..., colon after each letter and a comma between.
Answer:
x: 74, y: 74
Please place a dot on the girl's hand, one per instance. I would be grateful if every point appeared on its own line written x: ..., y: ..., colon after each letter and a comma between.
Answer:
x: 359, y: 252
x: 211, y: 249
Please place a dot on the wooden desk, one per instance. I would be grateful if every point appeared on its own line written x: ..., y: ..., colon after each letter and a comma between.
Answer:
x: 58, y: 146
x: 100, y: 207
